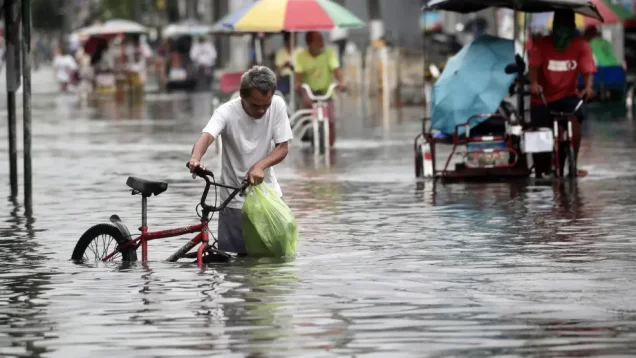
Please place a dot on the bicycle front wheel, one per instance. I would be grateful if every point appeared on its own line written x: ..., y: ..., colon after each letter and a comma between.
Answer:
x: 572, y: 167
x: 99, y: 241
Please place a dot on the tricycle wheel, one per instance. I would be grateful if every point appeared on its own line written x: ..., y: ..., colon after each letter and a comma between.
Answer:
x: 573, y: 170
x: 99, y: 241
x: 419, y: 162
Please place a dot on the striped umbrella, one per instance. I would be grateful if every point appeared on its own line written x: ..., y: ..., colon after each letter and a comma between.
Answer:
x: 612, y: 14
x: 292, y: 15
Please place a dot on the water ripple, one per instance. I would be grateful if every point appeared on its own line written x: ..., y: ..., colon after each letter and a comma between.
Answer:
x: 386, y: 266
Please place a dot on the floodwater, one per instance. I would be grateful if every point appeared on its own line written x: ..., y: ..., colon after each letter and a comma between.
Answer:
x: 386, y: 266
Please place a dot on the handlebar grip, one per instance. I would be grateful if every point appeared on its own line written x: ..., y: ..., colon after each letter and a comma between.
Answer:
x: 200, y: 171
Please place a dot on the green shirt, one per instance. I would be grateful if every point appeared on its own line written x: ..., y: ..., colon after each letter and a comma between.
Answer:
x: 316, y: 72
x: 603, y: 52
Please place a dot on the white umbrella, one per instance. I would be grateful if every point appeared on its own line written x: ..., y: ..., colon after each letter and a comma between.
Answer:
x: 186, y: 28
x: 113, y: 27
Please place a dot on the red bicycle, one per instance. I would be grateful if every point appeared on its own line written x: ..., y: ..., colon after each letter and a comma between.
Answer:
x: 125, y: 247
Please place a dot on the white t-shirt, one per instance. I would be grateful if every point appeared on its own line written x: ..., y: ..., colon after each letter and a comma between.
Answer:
x: 203, y: 54
x: 64, y: 66
x: 246, y: 141
x: 338, y: 34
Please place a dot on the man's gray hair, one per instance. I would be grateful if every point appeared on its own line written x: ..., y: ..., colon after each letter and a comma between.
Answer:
x: 258, y: 77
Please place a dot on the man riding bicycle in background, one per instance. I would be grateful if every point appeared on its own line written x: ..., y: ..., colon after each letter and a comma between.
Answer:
x: 317, y: 67
x: 555, y: 64
x: 249, y: 124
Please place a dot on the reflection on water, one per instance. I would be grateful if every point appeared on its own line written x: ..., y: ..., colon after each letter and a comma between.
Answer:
x: 387, y: 266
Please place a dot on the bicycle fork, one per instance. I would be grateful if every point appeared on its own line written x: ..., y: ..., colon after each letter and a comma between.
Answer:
x: 320, y: 118
x: 557, y: 146
x: 318, y: 115
x: 202, y: 248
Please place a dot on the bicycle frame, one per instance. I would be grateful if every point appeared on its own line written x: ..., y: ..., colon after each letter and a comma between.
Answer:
x: 142, y: 240
x: 201, y: 238
x: 558, y: 133
x: 558, y: 119
x: 315, y: 116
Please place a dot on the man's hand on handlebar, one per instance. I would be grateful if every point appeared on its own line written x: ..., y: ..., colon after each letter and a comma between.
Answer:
x: 341, y: 86
x: 536, y: 89
x: 193, y: 165
x: 587, y: 93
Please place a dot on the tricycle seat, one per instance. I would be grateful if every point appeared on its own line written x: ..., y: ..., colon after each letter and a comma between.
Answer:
x: 147, y: 187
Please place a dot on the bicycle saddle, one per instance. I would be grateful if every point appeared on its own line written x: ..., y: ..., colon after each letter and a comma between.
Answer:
x: 147, y: 187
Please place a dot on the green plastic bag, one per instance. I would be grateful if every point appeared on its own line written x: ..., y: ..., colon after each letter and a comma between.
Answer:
x: 269, y: 227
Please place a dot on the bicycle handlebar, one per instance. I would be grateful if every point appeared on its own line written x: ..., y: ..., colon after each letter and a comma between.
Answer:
x: 200, y: 171
x: 324, y: 97
x: 563, y: 114
x: 205, y: 174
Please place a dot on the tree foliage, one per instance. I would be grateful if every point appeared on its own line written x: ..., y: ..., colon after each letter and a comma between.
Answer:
x: 47, y: 15
x: 121, y: 9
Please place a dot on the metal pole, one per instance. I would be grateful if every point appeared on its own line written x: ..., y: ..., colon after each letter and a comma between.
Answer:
x: 13, y: 153
x: 426, y: 104
x: 9, y: 23
x: 26, y: 102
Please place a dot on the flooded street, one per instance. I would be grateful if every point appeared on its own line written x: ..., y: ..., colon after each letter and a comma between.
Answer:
x: 386, y: 266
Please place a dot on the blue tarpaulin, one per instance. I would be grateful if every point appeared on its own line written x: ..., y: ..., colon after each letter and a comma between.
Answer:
x: 473, y: 82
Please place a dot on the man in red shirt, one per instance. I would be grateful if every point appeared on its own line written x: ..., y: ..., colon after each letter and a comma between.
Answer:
x: 555, y: 64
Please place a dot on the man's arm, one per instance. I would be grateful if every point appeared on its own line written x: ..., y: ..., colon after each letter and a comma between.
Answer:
x: 275, y: 156
x: 588, y: 80
x: 298, y: 81
x: 534, y: 66
x: 334, y: 64
x: 533, y: 75
x: 588, y: 68
x: 201, y: 146
x: 213, y: 129
x: 281, y: 136
x: 257, y: 172
x: 298, y: 70
x: 198, y: 150
x: 337, y: 74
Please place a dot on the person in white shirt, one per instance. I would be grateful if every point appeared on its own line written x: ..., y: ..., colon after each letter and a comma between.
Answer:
x: 137, y: 56
x: 339, y: 38
x: 256, y: 132
x: 65, y: 66
x: 2, y: 51
x: 203, y: 54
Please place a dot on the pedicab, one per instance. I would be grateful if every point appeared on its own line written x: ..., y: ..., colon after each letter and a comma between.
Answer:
x: 488, y: 136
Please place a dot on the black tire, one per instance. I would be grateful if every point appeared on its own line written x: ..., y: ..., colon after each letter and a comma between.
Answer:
x: 321, y: 144
x: 308, y: 137
x: 419, y: 165
x: 572, y: 163
x: 128, y: 254
x: 214, y: 256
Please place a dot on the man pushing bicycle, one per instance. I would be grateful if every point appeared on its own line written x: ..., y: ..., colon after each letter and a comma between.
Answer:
x: 249, y: 124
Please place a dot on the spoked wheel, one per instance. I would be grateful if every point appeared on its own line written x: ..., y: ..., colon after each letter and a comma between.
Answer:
x: 99, y: 241
x: 572, y: 168
x: 321, y: 133
x: 419, y: 162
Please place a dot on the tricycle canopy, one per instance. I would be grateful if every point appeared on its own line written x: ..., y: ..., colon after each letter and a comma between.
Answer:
x: 582, y: 7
